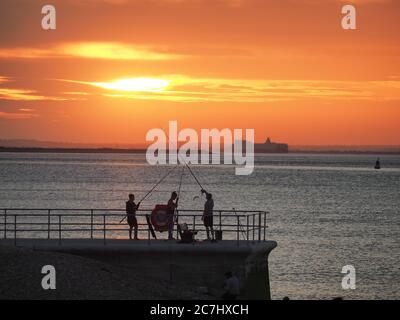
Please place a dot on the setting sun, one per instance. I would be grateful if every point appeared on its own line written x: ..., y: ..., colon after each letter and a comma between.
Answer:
x: 135, y: 85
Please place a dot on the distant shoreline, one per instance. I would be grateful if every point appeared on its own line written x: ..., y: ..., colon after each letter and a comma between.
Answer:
x: 142, y: 151
x: 71, y: 150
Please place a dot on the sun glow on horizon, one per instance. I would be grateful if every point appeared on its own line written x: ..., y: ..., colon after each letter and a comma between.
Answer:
x: 135, y: 85
x: 183, y: 88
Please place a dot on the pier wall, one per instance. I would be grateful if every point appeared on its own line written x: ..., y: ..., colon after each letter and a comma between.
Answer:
x: 199, y: 265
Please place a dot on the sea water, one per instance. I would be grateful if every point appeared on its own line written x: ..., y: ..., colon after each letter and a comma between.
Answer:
x: 325, y: 211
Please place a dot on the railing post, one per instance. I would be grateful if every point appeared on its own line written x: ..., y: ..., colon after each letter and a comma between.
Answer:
x: 15, y: 230
x: 148, y: 234
x: 254, y: 224
x: 247, y: 227
x: 237, y: 231
x: 5, y: 223
x: 220, y: 220
x: 259, y: 226
x: 91, y: 224
x: 59, y: 229
x: 177, y: 222
x: 104, y: 228
x: 265, y: 223
x: 194, y: 223
x: 48, y: 224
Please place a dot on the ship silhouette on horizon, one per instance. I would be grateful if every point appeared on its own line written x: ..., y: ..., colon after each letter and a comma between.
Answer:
x: 271, y: 147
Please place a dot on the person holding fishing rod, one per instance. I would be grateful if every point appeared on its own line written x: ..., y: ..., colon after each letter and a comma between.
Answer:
x: 208, y: 215
x: 172, y: 205
x: 131, y: 209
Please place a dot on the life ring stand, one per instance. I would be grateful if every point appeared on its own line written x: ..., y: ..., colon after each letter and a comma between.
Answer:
x: 159, y: 217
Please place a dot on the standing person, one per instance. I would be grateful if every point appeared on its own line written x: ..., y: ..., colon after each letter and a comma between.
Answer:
x: 131, y: 208
x: 232, y: 287
x: 172, y: 205
x: 208, y: 215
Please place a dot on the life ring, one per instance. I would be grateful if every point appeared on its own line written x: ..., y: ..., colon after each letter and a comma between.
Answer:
x: 159, y: 217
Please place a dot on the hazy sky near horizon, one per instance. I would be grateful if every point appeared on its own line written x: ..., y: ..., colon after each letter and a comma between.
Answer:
x: 114, y: 69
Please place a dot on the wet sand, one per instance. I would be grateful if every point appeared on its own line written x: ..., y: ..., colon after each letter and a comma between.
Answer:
x: 80, y: 278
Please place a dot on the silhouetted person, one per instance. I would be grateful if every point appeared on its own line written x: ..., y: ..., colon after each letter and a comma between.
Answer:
x: 208, y: 214
x: 232, y: 287
x: 172, y: 205
x: 131, y: 208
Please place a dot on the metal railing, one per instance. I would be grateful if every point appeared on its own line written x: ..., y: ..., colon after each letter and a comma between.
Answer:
x: 239, y: 225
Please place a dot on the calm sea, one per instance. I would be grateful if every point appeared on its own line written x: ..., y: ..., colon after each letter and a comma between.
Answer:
x: 326, y: 211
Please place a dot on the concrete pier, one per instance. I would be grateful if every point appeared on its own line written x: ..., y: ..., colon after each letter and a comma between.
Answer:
x: 201, y: 264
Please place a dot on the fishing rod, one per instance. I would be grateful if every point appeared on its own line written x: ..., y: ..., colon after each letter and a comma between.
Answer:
x: 190, y: 170
x: 152, y: 189
x: 180, y: 181
x: 179, y: 193
x: 185, y: 163
x: 198, y: 182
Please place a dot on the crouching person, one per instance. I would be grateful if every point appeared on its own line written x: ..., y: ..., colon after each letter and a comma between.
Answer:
x: 232, y: 287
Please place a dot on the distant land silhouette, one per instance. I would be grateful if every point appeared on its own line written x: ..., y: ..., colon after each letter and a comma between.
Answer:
x: 20, y: 145
x: 26, y: 143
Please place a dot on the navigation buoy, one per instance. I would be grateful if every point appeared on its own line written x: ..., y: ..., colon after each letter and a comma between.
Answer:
x: 377, y: 164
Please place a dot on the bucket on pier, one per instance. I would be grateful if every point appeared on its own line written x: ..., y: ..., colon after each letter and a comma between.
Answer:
x: 218, y: 234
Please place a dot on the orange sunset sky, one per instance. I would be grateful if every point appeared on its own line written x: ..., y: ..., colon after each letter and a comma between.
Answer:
x: 114, y: 69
